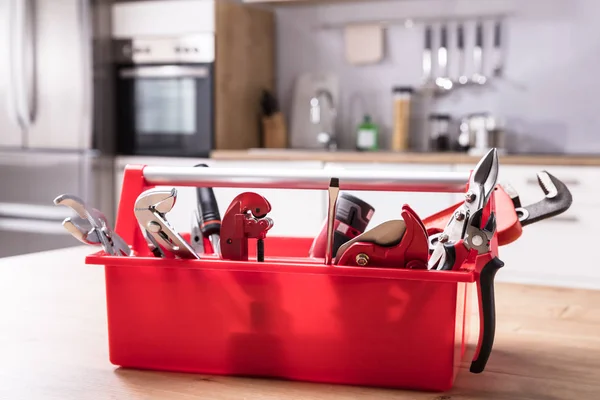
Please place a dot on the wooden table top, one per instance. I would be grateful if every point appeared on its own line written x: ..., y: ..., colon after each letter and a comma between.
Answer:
x: 53, y: 345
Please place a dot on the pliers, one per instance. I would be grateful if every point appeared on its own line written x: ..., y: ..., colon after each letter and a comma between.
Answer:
x: 466, y: 232
x: 91, y: 227
x: 150, y: 209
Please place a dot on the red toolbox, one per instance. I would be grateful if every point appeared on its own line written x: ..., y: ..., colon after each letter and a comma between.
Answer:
x: 290, y: 316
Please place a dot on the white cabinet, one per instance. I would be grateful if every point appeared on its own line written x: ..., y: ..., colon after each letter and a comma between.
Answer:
x: 294, y: 212
x: 388, y: 205
x: 553, y: 251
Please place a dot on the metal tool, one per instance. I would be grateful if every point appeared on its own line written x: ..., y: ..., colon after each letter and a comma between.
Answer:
x: 478, y: 77
x: 334, y: 190
x: 392, y: 244
x: 207, y: 218
x: 460, y: 45
x: 511, y: 215
x: 443, y: 80
x: 497, y: 58
x: 196, y: 236
x: 482, y: 183
x: 352, y: 215
x: 91, y: 227
x: 246, y: 217
x: 150, y: 209
x: 427, y: 62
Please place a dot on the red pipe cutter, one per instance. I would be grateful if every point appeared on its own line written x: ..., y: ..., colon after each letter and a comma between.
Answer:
x: 245, y: 218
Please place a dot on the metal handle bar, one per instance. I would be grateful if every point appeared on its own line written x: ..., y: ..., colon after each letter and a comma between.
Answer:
x: 384, y: 180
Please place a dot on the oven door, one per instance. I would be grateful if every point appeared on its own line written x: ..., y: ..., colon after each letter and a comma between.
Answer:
x: 165, y: 110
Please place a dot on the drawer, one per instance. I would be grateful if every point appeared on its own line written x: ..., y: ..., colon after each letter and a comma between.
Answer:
x: 388, y: 205
x: 553, y: 251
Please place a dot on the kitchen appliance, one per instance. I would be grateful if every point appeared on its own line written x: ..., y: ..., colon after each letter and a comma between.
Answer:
x: 165, y: 95
x: 53, y: 119
x: 439, y: 134
x: 190, y: 75
x: 485, y: 131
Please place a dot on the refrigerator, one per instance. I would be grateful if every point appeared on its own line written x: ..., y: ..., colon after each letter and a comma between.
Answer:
x: 55, y: 118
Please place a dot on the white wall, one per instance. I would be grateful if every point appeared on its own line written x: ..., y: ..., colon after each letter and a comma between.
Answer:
x: 549, y: 94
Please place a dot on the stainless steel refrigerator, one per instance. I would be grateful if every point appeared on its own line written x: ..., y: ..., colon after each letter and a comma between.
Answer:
x: 55, y: 118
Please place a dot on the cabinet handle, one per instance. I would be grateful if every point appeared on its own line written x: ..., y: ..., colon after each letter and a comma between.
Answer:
x: 568, y: 182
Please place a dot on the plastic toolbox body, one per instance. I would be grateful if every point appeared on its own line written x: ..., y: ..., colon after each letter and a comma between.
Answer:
x: 288, y: 317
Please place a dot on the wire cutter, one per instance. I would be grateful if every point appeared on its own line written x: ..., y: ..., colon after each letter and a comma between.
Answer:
x: 466, y: 231
x: 91, y: 227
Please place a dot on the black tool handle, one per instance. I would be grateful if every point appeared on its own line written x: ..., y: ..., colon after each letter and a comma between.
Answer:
x: 208, y: 209
x: 487, y: 305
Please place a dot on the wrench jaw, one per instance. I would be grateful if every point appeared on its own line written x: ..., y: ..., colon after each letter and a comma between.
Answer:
x: 86, y: 236
x: 91, y: 227
x: 557, y: 199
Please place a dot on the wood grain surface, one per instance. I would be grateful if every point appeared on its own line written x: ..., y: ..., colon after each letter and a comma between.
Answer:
x: 53, y: 344
x: 398, y: 157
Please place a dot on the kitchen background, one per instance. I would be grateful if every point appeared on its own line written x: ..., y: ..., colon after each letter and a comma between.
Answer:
x: 549, y: 85
x: 92, y: 86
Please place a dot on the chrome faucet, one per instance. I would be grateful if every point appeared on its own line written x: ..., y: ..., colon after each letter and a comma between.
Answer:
x: 326, y: 135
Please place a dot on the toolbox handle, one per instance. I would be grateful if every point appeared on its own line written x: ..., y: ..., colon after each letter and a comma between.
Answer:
x: 403, y: 181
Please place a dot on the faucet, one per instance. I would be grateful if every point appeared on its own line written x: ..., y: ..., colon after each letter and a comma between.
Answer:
x: 325, y: 136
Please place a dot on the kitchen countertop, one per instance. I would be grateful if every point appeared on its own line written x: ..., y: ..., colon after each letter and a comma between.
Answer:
x: 54, y: 345
x: 392, y: 157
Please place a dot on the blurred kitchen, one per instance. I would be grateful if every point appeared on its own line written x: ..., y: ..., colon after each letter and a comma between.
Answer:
x: 89, y: 86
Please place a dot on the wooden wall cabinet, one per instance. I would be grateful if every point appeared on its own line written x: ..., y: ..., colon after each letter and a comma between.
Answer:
x: 244, y: 66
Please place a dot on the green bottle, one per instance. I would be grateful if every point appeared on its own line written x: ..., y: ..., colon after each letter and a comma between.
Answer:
x: 367, y: 135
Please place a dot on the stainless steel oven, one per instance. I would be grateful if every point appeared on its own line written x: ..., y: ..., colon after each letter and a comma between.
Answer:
x: 165, y: 96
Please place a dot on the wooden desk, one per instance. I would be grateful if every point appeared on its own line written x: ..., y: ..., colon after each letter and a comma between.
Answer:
x: 53, y: 346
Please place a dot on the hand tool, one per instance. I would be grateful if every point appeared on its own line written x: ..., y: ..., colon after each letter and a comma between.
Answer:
x: 480, y: 187
x: 392, y: 244
x: 246, y: 217
x: 427, y: 62
x: 208, y: 217
x: 91, y: 227
x: 443, y: 80
x: 478, y: 76
x: 196, y: 236
x: 334, y: 190
x: 511, y: 216
x: 150, y: 209
x: 153, y: 244
x: 460, y: 45
x: 352, y: 215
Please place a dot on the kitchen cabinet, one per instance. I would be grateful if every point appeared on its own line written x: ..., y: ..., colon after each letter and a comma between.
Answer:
x: 294, y: 212
x: 550, y: 251
x: 388, y: 205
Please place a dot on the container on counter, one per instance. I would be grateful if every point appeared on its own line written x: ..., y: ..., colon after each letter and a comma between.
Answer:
x: 367, y: 135
x: 439, y: 134
x: 402, y: 102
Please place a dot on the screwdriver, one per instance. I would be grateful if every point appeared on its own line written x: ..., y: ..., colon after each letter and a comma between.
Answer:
x: 210, y: 219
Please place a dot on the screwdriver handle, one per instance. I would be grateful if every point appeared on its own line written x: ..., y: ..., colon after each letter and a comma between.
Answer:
x: 209, y: 210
